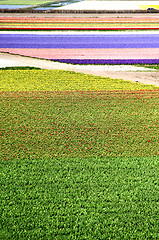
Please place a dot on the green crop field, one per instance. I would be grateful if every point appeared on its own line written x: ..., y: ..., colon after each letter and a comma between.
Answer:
x: 79, y: 156
x: 24, y: 2
x: 153, y: 66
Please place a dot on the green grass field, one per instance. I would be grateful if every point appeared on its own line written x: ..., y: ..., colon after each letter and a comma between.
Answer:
x: 79, y: 156
x: 153, y: 66
x: 24, y: 2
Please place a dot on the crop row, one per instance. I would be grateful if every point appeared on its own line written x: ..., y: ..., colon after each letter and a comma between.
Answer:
x: 95, y: 25
x: 79, y: 41
x: 78, y: 28
x: 79, y: 23
x: 108, y: 61
x: 96, y: 56
x: 78, y: 20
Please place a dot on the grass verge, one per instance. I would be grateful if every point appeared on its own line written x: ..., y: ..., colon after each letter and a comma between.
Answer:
x: 20, y: 68
x: 23, y: 2
x: 152, y: 66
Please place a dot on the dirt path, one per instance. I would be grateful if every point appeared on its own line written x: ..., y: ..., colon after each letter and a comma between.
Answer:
x: 142, y: 77
x: 146, y: 77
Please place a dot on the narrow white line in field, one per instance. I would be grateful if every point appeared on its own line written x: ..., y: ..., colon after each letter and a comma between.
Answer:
x: 81, y: 32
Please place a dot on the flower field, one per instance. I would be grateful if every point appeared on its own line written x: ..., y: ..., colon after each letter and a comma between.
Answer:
x: 79, y: 156
x: 79, y: 153
x: 82, y: 47
x: 87, y: 20
x: 112, y: 5
x: 85, y: 48
x: 59, y: 23
x: 108, y: 61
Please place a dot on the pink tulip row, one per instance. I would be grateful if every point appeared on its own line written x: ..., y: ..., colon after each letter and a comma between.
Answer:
x: 79, y: 20
x: 127, y: 53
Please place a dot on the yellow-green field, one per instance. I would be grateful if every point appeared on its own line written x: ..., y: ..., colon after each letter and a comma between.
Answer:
x: 58, y: 80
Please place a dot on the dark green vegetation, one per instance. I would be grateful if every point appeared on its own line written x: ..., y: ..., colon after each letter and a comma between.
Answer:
x: 24, y: 2
x: 79, y: 198
x: 20, y: 68
x: 78, y: 164
x: 153, y: 66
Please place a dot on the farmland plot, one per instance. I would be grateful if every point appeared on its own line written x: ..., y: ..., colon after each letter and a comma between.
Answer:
x: 79, y: 156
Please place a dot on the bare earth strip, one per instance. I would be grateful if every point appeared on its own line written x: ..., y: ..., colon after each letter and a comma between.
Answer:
x: 146, y: 77
x: 80, y: 15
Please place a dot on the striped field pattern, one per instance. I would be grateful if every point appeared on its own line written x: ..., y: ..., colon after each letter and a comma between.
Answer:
x: 79, y: 153
x: 83, y: 47
x: 140, y: 23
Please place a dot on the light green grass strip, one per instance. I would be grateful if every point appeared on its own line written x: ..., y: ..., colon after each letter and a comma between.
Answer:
x: 59, y: 80
x: 24, y: 2
x: 151, y: 66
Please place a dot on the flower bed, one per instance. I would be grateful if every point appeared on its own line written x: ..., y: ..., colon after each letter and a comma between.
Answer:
x: 146, y: 19
x: 108, y: 61
x: 78, y: 23
x: 62, y: 92
x: 77, y: 152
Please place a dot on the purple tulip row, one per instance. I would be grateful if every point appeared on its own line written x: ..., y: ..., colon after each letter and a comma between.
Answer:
x: 108, y: 61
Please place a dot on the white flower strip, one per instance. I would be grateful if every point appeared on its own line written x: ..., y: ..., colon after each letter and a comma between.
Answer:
x: 109, y: 5
x: 129, y: 32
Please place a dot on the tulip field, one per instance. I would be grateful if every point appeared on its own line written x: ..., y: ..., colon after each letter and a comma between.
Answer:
x: 101, y: 40
x: 79, y: 156
x: 79, y: 153
x: 83, y: 47
x: 85, y: 23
